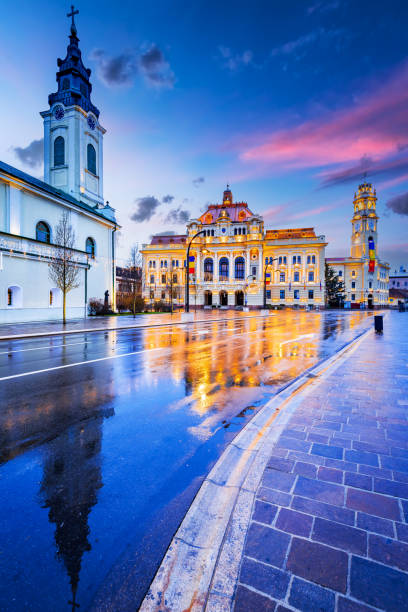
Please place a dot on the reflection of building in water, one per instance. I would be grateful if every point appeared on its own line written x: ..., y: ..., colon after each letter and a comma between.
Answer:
x: 72, y: 477
x: 250, y: 353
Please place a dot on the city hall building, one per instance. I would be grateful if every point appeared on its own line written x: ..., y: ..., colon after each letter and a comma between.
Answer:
x: 30, y: 209
x: 231, y: 258
x: 365, y: 276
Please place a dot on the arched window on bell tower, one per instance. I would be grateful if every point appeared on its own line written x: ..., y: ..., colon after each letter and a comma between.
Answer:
x: 91, y: 158
x: 59, y: 151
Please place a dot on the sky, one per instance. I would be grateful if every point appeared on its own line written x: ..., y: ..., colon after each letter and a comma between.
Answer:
x: 288, y: 102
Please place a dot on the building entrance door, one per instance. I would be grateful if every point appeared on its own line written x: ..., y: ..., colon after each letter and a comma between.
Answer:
x: 207, y: 298
x: 370, y: 300
x: 223, y: 298
x: 239, y: 298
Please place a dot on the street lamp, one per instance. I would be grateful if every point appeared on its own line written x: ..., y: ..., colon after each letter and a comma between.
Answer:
x: 187, y: 307
x: 265, y: 270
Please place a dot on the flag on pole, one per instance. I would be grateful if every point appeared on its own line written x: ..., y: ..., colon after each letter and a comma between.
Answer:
x: 290, y: 285
x: 371, y: 255
x: 268, y: 278
x: 320, y: 285
x: 191, y: 264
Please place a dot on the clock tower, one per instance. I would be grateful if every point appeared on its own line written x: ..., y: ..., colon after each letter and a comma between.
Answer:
x: 73, y: 136
x: 364, y: 222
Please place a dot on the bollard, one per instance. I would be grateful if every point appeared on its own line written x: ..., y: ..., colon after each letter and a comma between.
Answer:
x: 378, y: 324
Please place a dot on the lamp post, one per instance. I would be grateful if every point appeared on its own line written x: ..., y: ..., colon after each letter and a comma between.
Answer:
x: 187, y: 307
x: 270, y: 262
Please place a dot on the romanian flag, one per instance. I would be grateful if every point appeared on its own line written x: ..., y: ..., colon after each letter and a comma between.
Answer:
x: 191, y: 264
x: 371, y: 255
x: 268, y: 278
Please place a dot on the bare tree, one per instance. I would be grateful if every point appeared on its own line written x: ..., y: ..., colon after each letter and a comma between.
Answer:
x: 63, y: 269
x: 135, y: 263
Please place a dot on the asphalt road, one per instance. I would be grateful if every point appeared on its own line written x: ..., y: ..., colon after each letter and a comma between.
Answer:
x: 105, y: 438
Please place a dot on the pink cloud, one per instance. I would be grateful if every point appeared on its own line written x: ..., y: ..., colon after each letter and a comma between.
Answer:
x: 375, y: 126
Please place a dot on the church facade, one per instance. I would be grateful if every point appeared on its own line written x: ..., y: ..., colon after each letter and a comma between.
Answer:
x: 365, y: 276
x: 30, y: 209
x: 234, y: 262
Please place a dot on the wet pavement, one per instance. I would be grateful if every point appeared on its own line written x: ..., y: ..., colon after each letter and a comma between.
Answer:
x: 106, y: 437
x: 329, y: 528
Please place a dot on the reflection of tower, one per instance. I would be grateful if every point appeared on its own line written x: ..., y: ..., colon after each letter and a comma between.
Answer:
x: 72, y: 477
x: 364, y: 221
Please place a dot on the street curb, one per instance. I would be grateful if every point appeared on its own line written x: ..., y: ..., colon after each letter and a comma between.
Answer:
x: 142, y: 326
x: 200, y: 568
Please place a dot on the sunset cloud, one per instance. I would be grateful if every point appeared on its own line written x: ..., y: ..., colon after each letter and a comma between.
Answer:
x: 373, y: 129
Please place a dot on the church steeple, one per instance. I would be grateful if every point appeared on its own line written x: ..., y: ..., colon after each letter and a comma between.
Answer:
x: 73, y: 135
x: 74, y: 86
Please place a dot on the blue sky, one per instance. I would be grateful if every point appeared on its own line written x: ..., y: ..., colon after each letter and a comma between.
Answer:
x: 290, y: 102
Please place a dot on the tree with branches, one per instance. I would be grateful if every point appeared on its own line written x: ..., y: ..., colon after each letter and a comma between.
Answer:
x: 63, y: 269
x: 135, y: 264
x: 334, y: 287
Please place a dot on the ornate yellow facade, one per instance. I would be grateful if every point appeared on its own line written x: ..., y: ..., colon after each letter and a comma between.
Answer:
x: 230, y: 260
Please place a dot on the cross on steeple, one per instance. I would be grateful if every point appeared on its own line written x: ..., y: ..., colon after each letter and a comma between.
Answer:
x: 72, y: 14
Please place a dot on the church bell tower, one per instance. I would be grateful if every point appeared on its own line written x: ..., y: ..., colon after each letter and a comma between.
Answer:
x: 73, y: 136
x: 364, y: 222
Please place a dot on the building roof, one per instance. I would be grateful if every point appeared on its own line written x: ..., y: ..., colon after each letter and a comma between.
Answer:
x: 233, y: 211
x: 169, y: 239
x: 284, y: 234
x: 108, y: 215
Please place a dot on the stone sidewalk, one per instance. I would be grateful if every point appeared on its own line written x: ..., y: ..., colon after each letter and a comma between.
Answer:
x: 329, y: 528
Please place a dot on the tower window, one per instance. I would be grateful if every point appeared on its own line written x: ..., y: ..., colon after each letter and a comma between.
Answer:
x: 59, y: 151
x: 90, y: 247
x: 42, y: 232
x: 65, y: 84
x: 83, y: 89
x: 91, y: 158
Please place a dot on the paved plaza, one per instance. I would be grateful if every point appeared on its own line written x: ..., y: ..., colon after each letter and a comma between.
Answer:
x: 329, y: 525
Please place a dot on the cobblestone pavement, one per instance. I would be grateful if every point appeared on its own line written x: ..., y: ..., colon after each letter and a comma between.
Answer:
x: 329, y: 529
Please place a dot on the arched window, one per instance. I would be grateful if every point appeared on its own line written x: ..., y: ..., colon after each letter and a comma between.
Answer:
x: 224, y: 268
x: 90, y: 247
x: 42, y: 232
x: 208, y: 269
x: 59, y: 151
x: 91, y: 158
x: 14, y: 296
x: 240, y: 268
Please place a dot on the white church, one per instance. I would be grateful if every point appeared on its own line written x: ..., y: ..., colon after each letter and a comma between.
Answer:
x: 31, y: 209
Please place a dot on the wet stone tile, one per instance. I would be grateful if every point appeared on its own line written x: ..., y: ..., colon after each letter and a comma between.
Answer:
x: 277, y: 463
x: 375, y: 524
x: 324, y: 450
x: 362, y: 457
x: 278, y: 480
x: 390, y: 487
x: 249, y: 600
x: 263, y: 512
x: 390, y: 552
x: 378, y: 585
x: 372, y: 471
x: 318, y: 563
x: 358, y: 481
x: 274, y: 497
x: 347, y: 605
x: 310, y: 506
x: 321, y: 491
x: 315, y: 437
x: 305, y: 469
x: 293, y: 444
x: 309, y: 597
x: 266, y: 544
x: 330, y: 475
x: 402, y: 532
x: 373, y: 503
x: 266, y: 579
x: 294, y: 522
x: 340, y: 536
